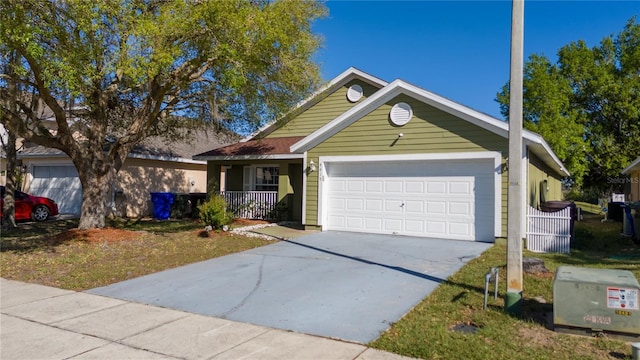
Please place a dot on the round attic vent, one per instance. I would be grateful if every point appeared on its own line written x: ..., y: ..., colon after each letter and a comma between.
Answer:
x: 354, y: 93
x: 400, y: 113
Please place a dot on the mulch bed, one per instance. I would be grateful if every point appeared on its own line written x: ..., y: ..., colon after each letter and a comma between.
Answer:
x: 96, y: 235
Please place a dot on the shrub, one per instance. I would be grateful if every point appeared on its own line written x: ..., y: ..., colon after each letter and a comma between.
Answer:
x: 214, y: 212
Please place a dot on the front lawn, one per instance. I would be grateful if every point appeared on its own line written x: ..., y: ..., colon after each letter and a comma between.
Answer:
x: 451, y: 322
x: 54, y: 254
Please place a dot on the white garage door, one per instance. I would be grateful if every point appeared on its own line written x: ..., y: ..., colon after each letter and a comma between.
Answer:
x: 450, y: 200
x: 60, y: 183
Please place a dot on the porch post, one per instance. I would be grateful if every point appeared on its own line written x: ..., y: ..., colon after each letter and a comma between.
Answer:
x: 213, y: 178
x: 284, y: 187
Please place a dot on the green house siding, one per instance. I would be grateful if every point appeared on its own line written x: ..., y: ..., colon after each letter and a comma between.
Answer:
x: 544, y: 184
x: 329, y: 107
x: 429, y: 131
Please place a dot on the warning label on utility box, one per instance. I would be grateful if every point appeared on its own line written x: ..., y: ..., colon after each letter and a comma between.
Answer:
x: 621, y: 298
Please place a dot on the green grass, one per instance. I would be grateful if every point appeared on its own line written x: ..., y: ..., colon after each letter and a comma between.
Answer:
x: 79, y: 261
x: 427, y: 330
x: 37, y: 253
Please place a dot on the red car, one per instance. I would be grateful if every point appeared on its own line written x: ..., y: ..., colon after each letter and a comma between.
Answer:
x: 29, y: 207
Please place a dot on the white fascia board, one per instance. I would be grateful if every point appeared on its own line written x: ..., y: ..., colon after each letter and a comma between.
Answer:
x: 628, y: 169
x: 415, y: 157
x: 346, y: 76
x: 542, y: 149
x: 250, y: 157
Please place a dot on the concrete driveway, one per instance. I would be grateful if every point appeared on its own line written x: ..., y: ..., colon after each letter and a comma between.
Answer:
x: 340, y: 285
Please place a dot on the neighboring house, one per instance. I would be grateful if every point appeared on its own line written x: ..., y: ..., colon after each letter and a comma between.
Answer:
x: 369, y: 156
x: 633, y: 170
x: 153, y: 166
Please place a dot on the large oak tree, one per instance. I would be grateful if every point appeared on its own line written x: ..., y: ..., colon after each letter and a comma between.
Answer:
x: 587, y: 105
x: 109, y: 73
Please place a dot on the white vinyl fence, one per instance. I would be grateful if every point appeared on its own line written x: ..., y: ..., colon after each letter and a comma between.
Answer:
x: 251, y: 204
x: 549, y: 231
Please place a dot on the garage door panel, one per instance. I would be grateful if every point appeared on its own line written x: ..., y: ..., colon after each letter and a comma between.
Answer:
x: 336, y: 221
x: 373, y: 224
x: 355, y: 204
x: 436, y: 208
x: 459, y: 228
x: 337, y: 204
x: 452, y: 199
x: 393, y: 225
x: 414, y: 187
x: 391, y: 186
x: 436, y: 227
x: 374, y: 205
x: 60, y: 183
x: 355, y: 222
x: 374, y: 187
x: 460, y: 208
x: 355, y: 186
x: 461, y: 187
x: 414, y: 226
x: 337, y: 185
x: 414, y: 207
x: 393, y: 206
x: 437, y: 187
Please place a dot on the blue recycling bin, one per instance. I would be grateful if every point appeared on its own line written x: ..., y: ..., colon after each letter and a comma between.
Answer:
x: 162, y: 202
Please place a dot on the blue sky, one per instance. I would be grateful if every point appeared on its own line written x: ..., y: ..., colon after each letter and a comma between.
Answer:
x: 457, y: 49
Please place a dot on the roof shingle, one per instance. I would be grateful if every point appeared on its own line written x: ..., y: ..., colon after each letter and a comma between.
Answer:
x: 270, y: 146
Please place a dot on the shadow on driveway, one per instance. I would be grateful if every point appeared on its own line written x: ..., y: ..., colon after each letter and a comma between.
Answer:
x: 341, y: 285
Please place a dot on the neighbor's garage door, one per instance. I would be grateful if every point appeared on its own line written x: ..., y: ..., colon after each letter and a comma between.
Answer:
x: 450, y: 200
x: 60, y: 183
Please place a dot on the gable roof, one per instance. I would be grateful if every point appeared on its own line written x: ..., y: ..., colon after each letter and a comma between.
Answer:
x: 337, y: 82
x: 635, y: 165
x: 268, y: 148
x: 534, y: 141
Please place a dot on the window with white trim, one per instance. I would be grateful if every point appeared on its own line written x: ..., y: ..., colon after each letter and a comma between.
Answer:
x: 261, y: 178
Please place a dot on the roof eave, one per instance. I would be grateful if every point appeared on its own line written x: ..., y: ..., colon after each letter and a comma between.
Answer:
x: 130, y: 156
x: 635, y: 165
x: 543, y: 151
x: 250, y: 157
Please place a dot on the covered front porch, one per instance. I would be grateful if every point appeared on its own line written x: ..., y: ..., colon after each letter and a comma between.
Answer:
x: 259, y: 179
x: 268, y: 190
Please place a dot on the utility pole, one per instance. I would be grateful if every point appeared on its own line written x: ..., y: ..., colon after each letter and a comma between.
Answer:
x: 513, y: 300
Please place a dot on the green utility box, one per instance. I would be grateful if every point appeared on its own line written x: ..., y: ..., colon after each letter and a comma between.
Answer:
x: 587, y: 300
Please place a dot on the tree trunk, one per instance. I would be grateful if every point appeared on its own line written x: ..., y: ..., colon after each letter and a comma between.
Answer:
x: 9, y: 210
x: 95, y: 195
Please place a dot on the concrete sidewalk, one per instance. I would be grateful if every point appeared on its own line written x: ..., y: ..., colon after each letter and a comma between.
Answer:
x: 40, y: 322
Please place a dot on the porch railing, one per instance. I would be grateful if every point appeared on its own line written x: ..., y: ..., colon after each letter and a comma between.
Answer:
x: 251, y: 204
